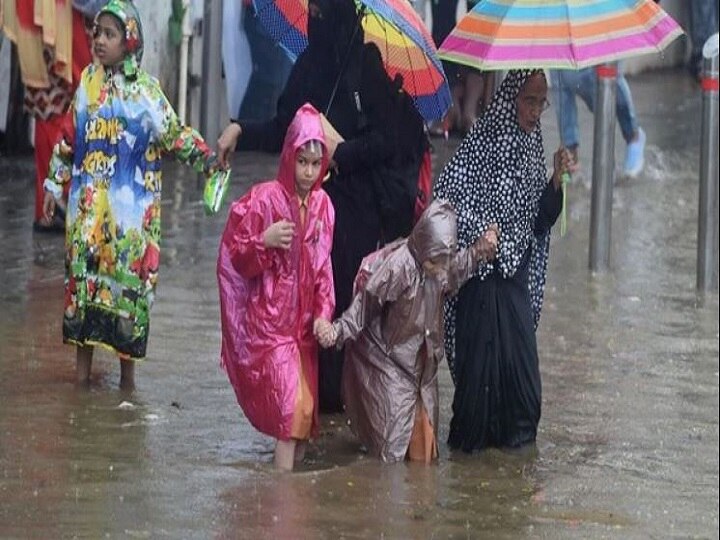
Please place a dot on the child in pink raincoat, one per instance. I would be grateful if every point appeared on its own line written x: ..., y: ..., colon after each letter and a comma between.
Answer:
x: 276, y: 289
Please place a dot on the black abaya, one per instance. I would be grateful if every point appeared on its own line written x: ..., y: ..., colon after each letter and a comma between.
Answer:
x: 497, y: 397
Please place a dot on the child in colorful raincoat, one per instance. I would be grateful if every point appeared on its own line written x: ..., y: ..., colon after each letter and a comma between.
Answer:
x: 393, y: 334
x: 111, y: 156
x: 276, y: 289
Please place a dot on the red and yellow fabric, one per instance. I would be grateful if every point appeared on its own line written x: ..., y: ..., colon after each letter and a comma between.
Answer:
x: 34, y: 24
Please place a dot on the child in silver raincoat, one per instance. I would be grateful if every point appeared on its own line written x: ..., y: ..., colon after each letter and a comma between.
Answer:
x: 393, y: 335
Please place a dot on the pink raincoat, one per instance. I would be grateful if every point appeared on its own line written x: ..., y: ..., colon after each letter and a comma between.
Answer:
x: 269, y: 298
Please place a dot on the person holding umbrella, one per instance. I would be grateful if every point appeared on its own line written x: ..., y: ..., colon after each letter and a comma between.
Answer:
x: 498, y: 175
x: 373, y: 135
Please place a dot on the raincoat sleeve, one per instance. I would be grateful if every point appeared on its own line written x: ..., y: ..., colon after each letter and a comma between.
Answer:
x: 462, y: 268
x: 184, y: 142
x: 324, y: 286
x: 244, y: 237
x: 60, y: 169
x: 385, y: 285
x: 550, y: 207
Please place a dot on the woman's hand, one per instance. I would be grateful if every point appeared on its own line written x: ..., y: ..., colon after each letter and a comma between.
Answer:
x: 227, y: 143
x: 562, y: 160
x: 279, y: 234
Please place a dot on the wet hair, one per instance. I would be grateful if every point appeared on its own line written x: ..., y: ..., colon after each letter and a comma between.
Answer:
x: 313, y: 146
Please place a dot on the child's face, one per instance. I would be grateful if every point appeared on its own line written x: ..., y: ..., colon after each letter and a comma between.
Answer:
x: 307, y: 169
x: 109, y: 40
x: 437, y: 268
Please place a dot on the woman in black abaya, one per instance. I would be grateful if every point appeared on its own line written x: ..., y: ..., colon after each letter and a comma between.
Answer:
x: 498, y: 175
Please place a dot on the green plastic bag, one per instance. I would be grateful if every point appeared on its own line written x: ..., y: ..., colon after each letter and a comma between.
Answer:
x: 216, y: 189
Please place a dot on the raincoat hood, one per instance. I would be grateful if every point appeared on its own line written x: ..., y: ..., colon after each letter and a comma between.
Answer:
x: 435, y: 233
x: 306, y: 126
x: 127, y: 13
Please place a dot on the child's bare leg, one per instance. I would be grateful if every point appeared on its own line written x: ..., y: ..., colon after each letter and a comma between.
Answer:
x: 127, y: 373
x: 285, y: 455
x: 84, y: 355
x: 300, y: 447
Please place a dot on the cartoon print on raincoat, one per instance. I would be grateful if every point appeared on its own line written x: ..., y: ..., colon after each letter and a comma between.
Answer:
x: 112, y: 157
x: 270, y: 298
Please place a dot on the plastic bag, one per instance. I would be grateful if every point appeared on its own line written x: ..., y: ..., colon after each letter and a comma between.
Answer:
x: 216, y: 189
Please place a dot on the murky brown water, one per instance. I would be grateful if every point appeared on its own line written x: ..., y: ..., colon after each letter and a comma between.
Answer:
x: 628, y: 442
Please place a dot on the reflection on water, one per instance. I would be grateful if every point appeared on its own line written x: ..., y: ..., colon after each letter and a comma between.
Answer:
x: 628, y: 441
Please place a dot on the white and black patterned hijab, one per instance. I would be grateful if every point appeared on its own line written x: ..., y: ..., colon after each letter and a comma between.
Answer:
x: 497, y: 175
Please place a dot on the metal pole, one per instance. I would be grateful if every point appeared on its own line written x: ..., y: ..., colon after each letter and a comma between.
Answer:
x: 707, y: 255
x: 603, y: 172
x: 210, y: 86
x: 184, y: 53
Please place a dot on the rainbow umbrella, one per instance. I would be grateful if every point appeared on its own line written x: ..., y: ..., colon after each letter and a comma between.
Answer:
x: 560, y: 34
x: 394, y: 26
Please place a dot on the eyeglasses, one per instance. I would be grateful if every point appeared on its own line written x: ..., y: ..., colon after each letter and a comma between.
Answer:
x: 535, y: 104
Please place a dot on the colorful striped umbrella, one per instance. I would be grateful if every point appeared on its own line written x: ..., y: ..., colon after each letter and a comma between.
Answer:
x: 562, y: 34
x: 404, y: 42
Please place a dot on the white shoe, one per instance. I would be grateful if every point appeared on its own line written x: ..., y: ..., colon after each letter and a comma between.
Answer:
x: 635, y: 156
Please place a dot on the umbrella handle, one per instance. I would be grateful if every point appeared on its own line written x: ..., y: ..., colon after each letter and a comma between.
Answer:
x: 565, y: 178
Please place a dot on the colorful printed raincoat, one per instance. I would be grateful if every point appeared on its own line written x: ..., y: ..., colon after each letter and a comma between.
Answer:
x: 123, y: 124
x: 270, y: 298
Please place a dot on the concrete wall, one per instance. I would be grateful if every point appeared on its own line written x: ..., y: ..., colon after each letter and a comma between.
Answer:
x: 160, y: 58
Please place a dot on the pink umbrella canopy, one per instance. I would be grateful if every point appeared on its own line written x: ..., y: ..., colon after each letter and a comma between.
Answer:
x: 560, y: 34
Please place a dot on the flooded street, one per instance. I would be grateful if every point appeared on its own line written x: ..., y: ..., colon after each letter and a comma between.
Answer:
x: 627, y: 445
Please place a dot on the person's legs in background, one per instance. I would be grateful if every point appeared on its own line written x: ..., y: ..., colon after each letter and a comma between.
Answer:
x: 625, y: 112
x: 632, y: 133
x: 472, y: 96
x: 443, y: 21
x: 703, y: 24
x: 564, y: 87
x: 271, y: 69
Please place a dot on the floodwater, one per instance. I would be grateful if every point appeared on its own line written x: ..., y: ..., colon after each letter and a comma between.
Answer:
x: 628, y: 441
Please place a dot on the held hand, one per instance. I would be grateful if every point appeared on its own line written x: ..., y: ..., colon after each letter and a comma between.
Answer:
x: 562, y: 160
x: 324, y: 333
x: 48, y: 206
x: 279, y: 234
x: 227, y: 142
x: 486, y: 246
x: 493, y: 234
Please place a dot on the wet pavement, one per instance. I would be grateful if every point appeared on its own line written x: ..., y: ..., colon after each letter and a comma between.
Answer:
x: 628, y: 441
